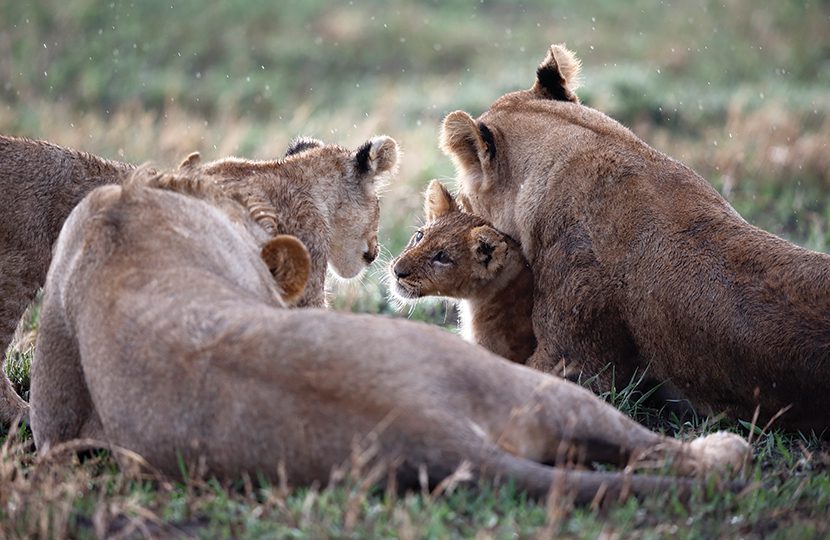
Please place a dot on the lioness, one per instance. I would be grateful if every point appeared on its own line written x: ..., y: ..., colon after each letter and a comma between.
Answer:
x: 639, y: 262
x: 160, y: 333
x: 459, y: 255
x: 324, y: 194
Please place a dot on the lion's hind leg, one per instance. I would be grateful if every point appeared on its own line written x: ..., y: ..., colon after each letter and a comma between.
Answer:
x: 584, y: 487
x: 562, y: 423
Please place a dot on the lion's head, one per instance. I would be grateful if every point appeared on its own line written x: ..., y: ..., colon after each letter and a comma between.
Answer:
x: 356, y: 218
x: 522, y: 136
x: 331, y: 191
x: 455, y: 254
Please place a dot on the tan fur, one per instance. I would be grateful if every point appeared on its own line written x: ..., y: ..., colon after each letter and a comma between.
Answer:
x: 325, y: 195
x: 160, y: 333
x: 640, y: 263
x: 485, y: 268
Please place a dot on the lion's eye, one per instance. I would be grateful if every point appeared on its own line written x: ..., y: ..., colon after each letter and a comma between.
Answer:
x: 441, y: 258
x: 418, y: 236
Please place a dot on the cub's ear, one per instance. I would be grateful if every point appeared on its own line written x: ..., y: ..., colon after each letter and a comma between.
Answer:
x: 301, y: 144
x: 438, y: 202
x: 489, y: 251
x: 471, y: 147
x: 377, y: 156
x: 558, y: 75
x: 191, y: 161
x: 288, y: 260
x: 464, y: 203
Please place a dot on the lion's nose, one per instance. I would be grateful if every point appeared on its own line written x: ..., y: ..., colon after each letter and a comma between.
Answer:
x: 370, y: 256
x: 401, y: 273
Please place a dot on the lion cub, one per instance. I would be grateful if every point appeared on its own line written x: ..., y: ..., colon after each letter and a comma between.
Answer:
x: 323, y: 194
x: 460, y: 255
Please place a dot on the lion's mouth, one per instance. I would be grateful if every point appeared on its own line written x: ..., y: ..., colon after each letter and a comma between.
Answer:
x: 406, y: 290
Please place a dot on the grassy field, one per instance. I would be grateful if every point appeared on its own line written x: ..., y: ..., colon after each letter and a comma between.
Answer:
x: 739, y: 92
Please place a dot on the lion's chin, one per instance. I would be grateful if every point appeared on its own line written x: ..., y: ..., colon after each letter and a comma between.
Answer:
x: 403, y: 292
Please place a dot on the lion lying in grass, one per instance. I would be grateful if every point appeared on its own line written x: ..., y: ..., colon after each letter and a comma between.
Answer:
x: 323, y: 194
x: 161, y: 333
x: 639, y: 263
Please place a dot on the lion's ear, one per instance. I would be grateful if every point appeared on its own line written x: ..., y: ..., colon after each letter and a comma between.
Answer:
x: 301, y: 144
x: 191, y: 161
x: 558, y: 75
x: 438, y: 202
x: 464, y: 204
x: 489, y: 251
x: 470, y: 145
x: 289, y: 262
x: 375, y: 157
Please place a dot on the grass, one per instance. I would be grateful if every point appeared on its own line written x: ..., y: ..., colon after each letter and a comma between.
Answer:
x: 738, y: 92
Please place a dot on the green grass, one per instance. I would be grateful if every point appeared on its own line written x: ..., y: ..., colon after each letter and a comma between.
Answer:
x: 738, y: 91
x: 787, y: 496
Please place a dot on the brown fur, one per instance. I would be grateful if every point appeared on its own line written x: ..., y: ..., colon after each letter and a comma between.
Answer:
x: 639, y: 262
x: 484, y: 267
x: 325, y: 195
x: 40, y: 183
x: 160, y: 333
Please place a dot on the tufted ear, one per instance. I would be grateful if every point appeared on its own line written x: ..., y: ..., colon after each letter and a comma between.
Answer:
x: 377, y: 156
x: 438, y: 202
x: 191, y: 161
x: 558, y: 75
x: 471, y: 147
x: 288, y: 260
x: 489, y: 251
x: 301, y: 144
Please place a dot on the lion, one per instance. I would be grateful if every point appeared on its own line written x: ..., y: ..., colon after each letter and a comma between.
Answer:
x: 324, y: 194
x: 460, y: 255
x: 161, y: 333
x: 639, y: 263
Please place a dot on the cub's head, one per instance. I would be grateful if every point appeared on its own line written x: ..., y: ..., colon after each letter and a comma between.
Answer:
x: 455, y: 254
x: 353, y: 207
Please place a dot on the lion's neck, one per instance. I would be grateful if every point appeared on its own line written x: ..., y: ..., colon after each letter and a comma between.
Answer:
x: 500, y: 319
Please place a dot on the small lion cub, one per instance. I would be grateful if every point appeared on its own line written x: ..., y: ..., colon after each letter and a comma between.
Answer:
x: 460, y: 255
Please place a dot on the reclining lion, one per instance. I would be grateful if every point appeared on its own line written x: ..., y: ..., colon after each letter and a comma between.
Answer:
x: 638, y: 262
x: 160, y: 333
x: 324, y: 194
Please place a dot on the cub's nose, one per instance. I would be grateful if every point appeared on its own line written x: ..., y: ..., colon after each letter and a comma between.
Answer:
x: 401, y: 273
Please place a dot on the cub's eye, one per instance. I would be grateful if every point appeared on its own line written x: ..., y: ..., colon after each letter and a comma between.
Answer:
x: 418, y: 237
x: 441, y: 258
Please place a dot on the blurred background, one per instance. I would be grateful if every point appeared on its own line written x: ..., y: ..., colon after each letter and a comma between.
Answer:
x: 737, y: 89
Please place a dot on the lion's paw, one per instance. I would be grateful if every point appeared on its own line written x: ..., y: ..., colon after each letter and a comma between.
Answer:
x: 720, y: 451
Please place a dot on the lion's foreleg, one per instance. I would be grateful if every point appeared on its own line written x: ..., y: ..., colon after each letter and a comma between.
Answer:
x: 61, y: 407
